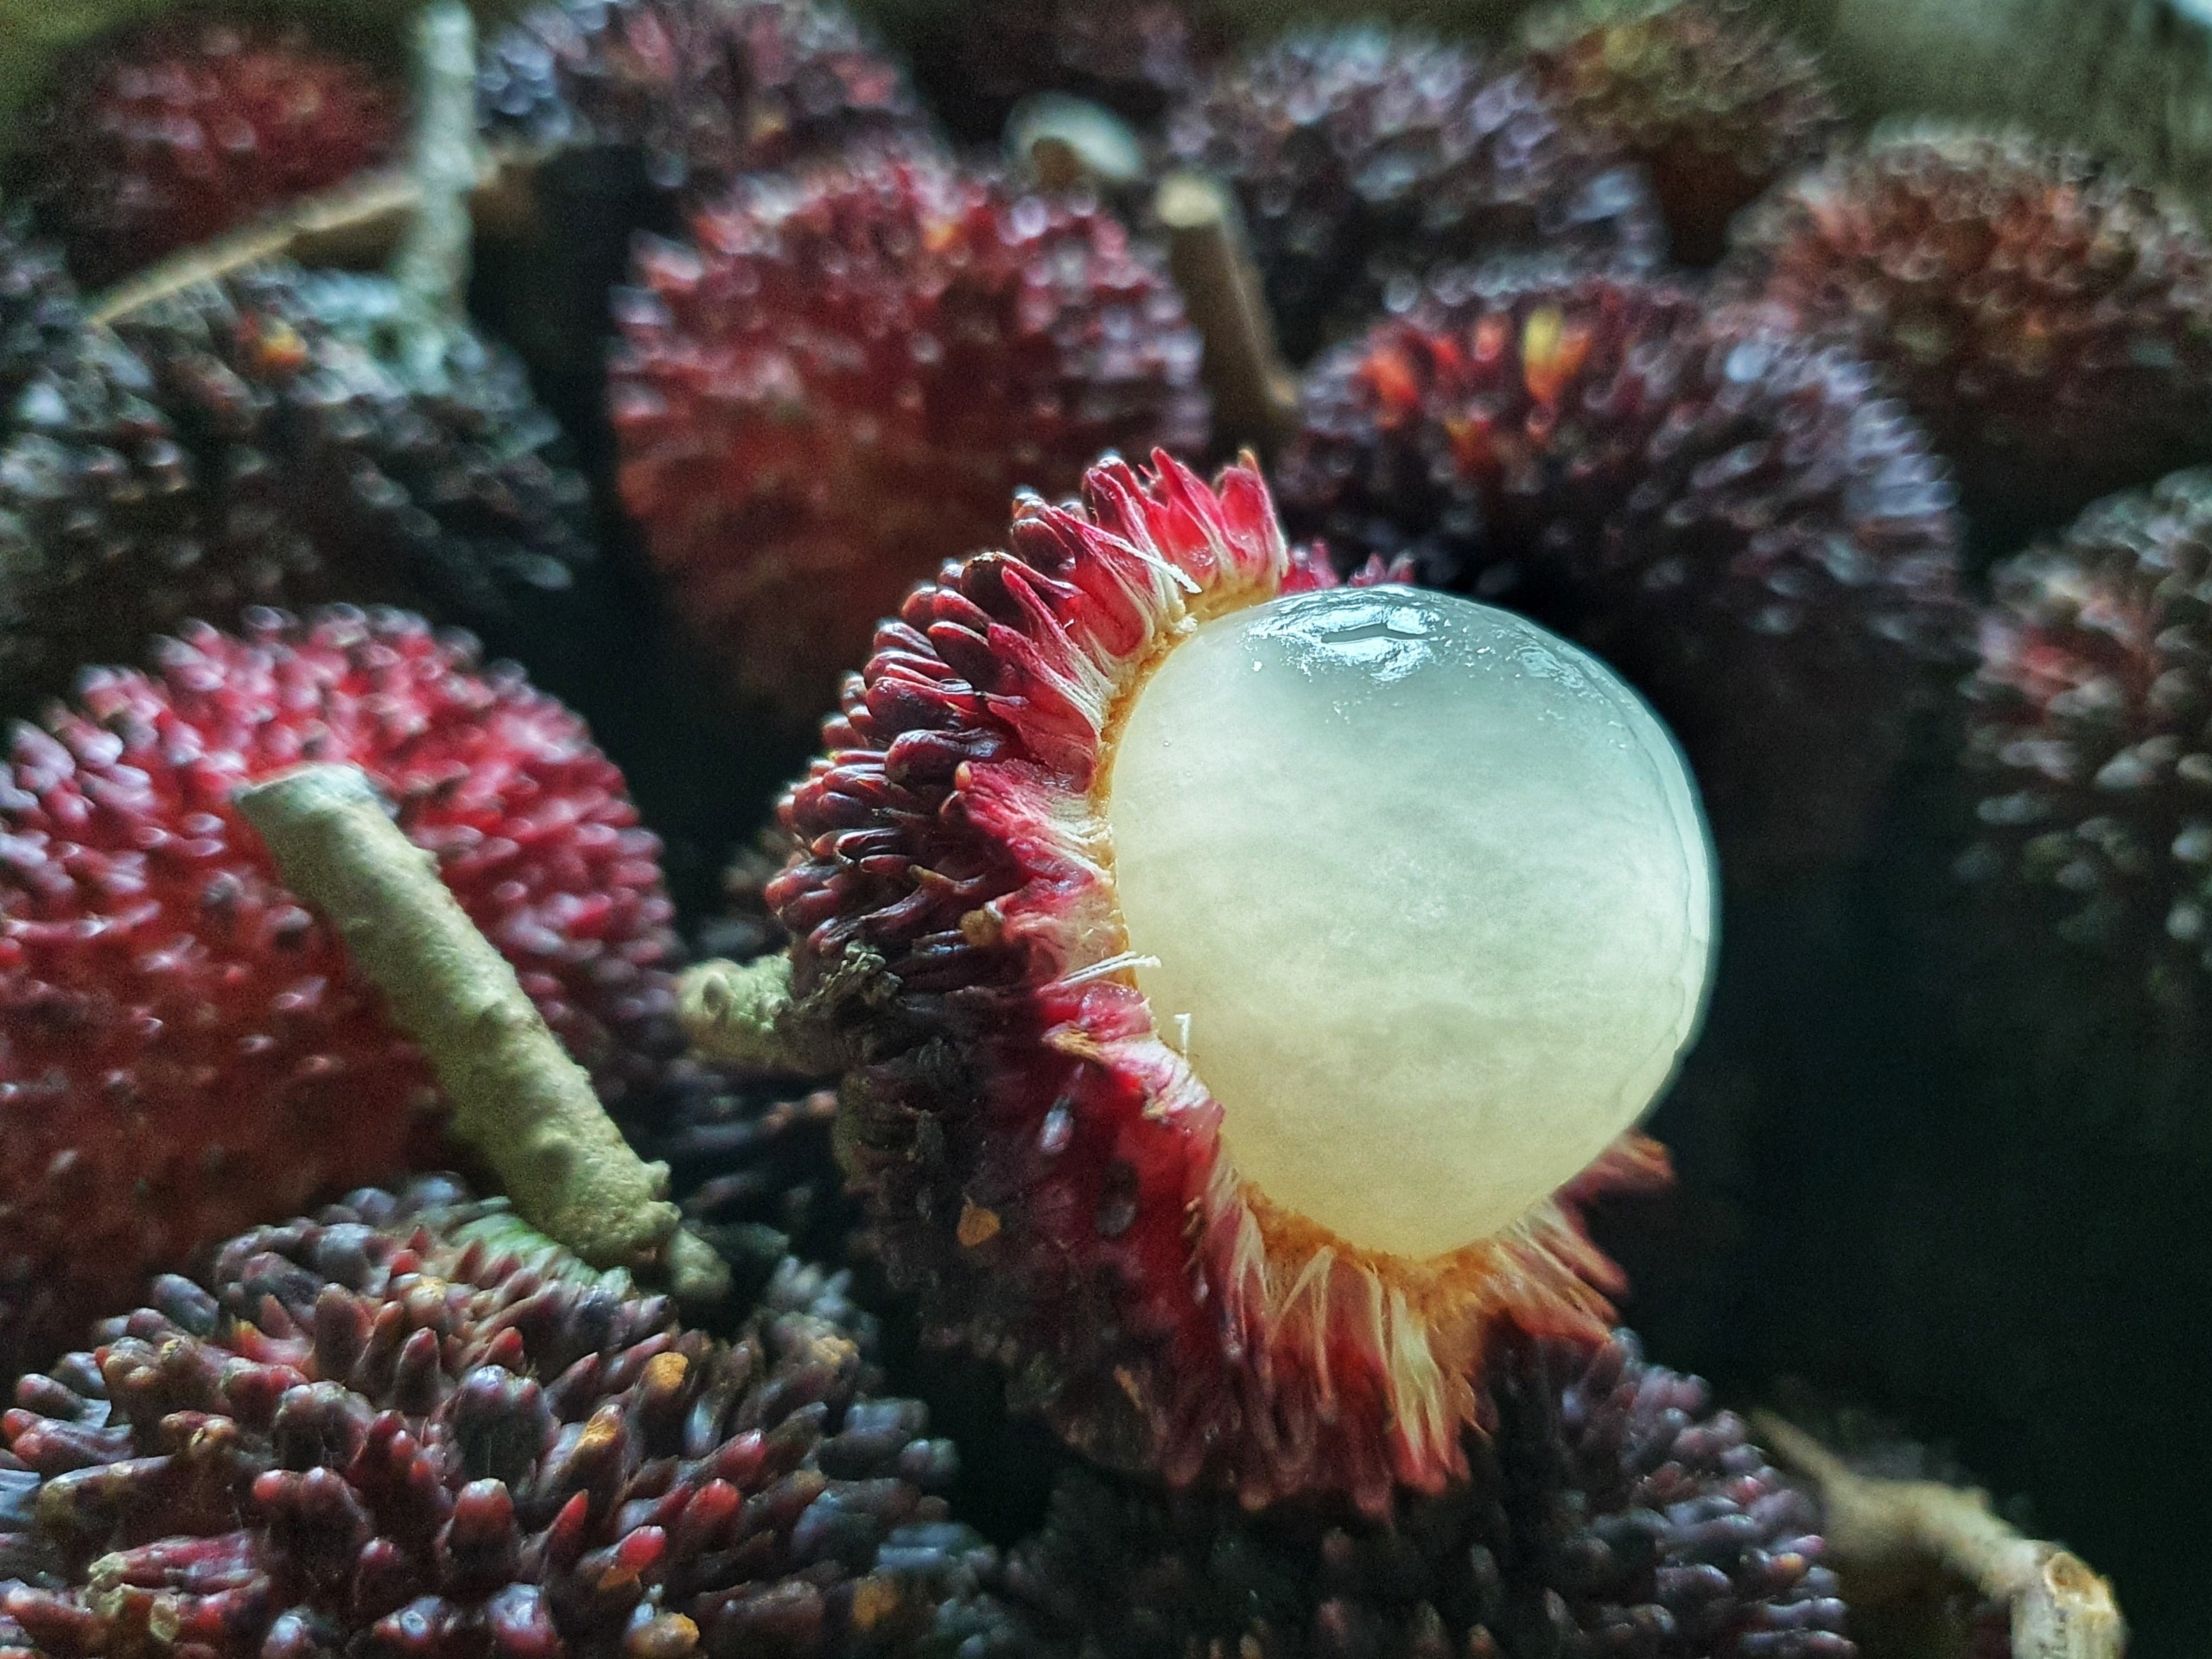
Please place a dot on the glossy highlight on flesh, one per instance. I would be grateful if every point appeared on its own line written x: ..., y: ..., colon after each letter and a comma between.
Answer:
x: 1041, y: 1169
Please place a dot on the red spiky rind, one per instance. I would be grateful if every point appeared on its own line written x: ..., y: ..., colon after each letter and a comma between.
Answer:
x: 2049, y: 321
x: 711, y: 89
x: 280, y: 437
x: 407, y: 1425
x: 1368, y: 161
x: 184, y: 1047
x: 1611, y: 1511
x: 41, y: 315
x: 1729, y: 510
x: 1039, y: 1167
x: 841, y: 385
x: 2088, y: 735
x: 1713, y: 99
x: 179, y: 130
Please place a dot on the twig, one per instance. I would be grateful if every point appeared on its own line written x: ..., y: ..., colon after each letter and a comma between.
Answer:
x: 744, y: 1013
x: 432, y: 264
x: 359, y: 223
x: 1255, y: 396
x: 1888, y: 1528
x: 419, y: 216
x: 361, y: 216
x: 516, y: 1097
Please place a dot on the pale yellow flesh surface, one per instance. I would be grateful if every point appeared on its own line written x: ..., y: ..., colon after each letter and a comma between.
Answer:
x: 1429, y: 900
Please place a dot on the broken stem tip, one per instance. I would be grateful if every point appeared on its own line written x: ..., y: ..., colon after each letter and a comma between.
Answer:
x: 744, y: 1013
x: 1254, y: 394
x: 2060, y: 1608
x: 516, y: 1096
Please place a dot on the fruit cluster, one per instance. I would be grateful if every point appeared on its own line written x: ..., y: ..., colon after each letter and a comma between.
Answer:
x: 1622, y: 327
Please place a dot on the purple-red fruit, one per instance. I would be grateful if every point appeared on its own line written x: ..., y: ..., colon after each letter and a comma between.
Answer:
x: 1368, y: 162
x: 1611, y: 1509
x: 410, y: 1426
x: 709, y: 89
x: 1715, y: 102
x: 2048, y: 323
x: 1731, y: 512
x: 279, y: 437
x: 840, y: 384
x: 185, y: 1048
x: 181, y: 129
x: 2089, y: 739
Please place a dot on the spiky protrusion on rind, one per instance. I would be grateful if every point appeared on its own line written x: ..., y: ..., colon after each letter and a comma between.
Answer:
x: 1039, y: 1165
x: 2049, y: 322
x: 1611, y: 1511
x: 1713, y: 100
x: 109, y: 530
x: 842, y: 385
x: 1727, y: 511
x: 279, y: 437
x: 710, y: 89
x: 184, y: 128
x: 407, y: 440
x: 410, y: 1426
x: 1365, y: 159
x: 2089, y: 738
x: 184, y: 1048
x: 39, y: 314
x: 757, y: 1156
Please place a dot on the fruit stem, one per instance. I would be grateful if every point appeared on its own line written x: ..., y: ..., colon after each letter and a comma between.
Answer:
x: 1254, y: 394
x: 1891, y: 1531
x: 419, y: 216
x: 334, y: 227
x: 516, y: 1097
x: 744, y: 1013
x: 1071, y: 144
x: 432, y: 263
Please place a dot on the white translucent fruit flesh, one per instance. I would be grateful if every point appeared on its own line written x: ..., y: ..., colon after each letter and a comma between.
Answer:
x: 1430, y: 897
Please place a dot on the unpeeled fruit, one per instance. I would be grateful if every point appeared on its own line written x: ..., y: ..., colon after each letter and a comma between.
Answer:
x: 840, y: 383
x: 2048, y: 320
x: 184, y: 1047
x: 182, y: 128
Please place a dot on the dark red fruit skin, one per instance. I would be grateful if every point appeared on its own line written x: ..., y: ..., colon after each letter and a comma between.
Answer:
x: 409, y: 450
x: 279, y: 437
x: 1611, y: 1509
x: 1728, y: 511
x: 1714, y: 101
x: 1041, y: 1172
x: 711, y: 91
x: 1368, y: 161
x: 39, y: 312
x: 641, y: 110
x: 408, y: 1425
x: 2048, y: 323
x: 2087, y: 761
x: 842, y: 383
x: 184, y: 1048
x: 185, y: 128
